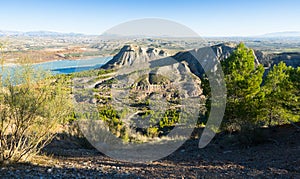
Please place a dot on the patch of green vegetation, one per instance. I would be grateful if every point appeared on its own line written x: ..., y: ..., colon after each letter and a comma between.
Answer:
x: 160, y: 123
x: 37, y: 48
x: 110, y: 81
x: 70, y: 55
x: 158, y: 79
x: 113, y: 120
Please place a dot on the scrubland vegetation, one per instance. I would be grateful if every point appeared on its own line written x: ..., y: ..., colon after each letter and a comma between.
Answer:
x: 34, y: 106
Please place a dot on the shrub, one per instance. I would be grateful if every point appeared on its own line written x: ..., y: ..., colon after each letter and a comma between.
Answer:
x: 152, y: 132
x: 31, y: 106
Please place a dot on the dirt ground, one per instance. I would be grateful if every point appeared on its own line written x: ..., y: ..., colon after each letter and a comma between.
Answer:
x: 278, y: 156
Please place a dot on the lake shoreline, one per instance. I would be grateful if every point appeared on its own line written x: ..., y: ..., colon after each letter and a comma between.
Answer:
x: 66, y: 66
x: 55, y: 60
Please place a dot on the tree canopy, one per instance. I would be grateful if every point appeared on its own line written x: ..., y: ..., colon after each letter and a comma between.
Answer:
x: 243, y: 81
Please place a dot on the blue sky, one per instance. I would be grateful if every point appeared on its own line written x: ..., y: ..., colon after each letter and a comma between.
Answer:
x: 207, y: 18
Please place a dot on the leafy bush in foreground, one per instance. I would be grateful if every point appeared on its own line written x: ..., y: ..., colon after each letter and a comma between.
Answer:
x: 31, y: 106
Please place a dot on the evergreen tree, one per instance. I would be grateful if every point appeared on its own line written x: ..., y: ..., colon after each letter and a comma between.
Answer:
x: 243, y: 80
x: 295, y: 79
x: 280, y: 95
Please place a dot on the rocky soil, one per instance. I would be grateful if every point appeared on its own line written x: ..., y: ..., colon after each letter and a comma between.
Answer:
x: 278, y: 156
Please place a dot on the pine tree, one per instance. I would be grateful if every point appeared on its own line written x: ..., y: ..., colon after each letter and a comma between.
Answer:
x: 280, y: 95
x: 295, y: 79
x: 243, y: 80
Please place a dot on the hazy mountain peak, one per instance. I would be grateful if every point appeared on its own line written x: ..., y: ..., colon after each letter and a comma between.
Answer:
x: 37, y: 33
x: 283, y: 34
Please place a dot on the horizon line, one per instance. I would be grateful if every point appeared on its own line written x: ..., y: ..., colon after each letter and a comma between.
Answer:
x: 265, y: 35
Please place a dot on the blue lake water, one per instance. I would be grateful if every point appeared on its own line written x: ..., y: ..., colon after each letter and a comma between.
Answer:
x: 67, y: 66
x: 71, y: 66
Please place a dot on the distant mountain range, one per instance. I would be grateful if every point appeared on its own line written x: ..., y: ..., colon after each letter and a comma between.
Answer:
x: 37, y: 33
x: 283, y: 34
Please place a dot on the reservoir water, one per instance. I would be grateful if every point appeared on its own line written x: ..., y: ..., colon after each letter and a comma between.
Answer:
x: 66, y: 66
x: 71, y: 66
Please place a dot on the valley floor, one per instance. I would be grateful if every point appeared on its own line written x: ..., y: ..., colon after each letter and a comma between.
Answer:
x: 277, y: 157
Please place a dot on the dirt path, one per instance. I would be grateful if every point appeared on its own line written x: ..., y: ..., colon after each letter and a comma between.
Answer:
x: 278, y: 157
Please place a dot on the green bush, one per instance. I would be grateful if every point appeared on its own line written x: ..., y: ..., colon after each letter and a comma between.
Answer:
x: 112, y: 119
x: 152, y: 131
x: 32, y: 105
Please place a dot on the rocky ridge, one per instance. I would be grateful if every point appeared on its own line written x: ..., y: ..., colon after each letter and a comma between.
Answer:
x: 131, y: 54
